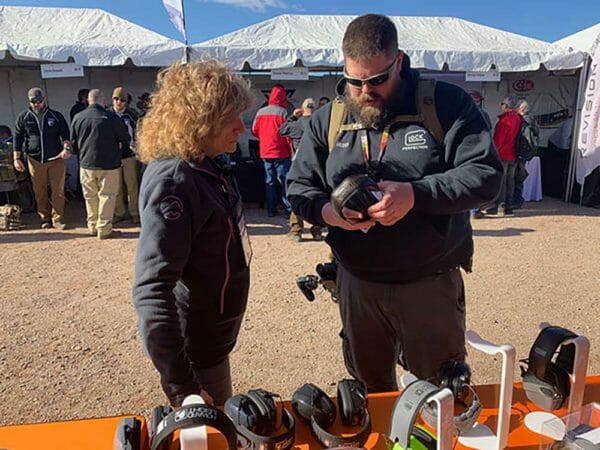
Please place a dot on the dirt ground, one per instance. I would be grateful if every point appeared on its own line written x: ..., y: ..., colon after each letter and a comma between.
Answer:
x: 69, y: 347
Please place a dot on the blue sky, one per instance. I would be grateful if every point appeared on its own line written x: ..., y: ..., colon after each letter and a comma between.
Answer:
x: 547, y: 20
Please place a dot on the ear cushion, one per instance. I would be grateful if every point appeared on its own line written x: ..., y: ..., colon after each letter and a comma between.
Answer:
x: 311, y: 402
x: 422, y: 439
x: 265, y: 403
x: 244, y: 412
x: 352, y: 401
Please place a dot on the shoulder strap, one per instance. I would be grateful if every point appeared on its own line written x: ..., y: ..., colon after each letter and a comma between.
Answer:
x: 337, y: 117
x: 426, y: 108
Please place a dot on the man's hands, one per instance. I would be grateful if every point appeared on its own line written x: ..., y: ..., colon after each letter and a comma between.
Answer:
x: 18, y: 165
x: 65, y: 154
x: 397, y: 200
x: 352, y: 220
x: 298, y: 112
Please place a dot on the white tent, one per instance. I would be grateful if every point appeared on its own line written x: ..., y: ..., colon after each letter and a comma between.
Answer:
x: 585, y: 40
x: 91, y: 37
x: 434, y: 43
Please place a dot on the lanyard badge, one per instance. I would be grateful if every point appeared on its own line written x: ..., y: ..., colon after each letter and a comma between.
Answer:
x: 366, y: 151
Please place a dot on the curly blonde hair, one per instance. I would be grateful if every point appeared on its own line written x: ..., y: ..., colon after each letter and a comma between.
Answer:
x: 191, y: 104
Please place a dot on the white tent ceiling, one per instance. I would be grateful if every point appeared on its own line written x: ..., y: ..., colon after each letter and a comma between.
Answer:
x: 585, y: 40
x: 434, y: 43
x: 92, y: 37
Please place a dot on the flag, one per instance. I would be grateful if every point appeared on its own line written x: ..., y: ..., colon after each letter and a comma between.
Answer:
x: 175, y: 10
x: 588, y: 144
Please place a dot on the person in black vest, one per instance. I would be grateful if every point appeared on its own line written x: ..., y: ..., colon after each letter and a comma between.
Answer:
x: 97, y: 137
x: 400, y: 290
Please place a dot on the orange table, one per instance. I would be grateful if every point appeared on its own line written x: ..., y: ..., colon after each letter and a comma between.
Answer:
x: 98, y: 434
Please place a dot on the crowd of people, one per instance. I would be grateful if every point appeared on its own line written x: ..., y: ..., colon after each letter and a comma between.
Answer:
x: 100, y: 138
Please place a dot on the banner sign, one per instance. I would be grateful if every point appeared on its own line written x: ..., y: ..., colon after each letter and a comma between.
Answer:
x: 66, y: 70
x: 175, y: 10
x: 588, y: 143
x: 490, y: 75
x: 292, y: 73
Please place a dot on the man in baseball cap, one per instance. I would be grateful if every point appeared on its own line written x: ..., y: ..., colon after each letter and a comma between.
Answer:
x: 42, y: 135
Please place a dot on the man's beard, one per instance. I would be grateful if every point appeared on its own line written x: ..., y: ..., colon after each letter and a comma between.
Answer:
x: 373, y: 116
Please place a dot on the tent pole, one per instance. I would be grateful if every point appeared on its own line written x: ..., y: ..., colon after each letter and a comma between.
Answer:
x: 576, y: 123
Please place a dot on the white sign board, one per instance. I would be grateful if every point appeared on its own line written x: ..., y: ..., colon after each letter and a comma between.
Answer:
x: 292, y: 73
x: 490, y: 75
x: 66, y: 70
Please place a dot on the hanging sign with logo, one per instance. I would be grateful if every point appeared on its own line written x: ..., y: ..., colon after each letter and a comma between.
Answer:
x: 523, y: 85
x: 66, y: 70
x: 291, y: 73
x: 490, y: 75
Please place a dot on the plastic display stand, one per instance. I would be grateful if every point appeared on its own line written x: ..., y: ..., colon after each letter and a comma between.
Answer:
x: 195, y: 438
x: 444, y: 401
x: 535, y: 420
x: 481, y: 436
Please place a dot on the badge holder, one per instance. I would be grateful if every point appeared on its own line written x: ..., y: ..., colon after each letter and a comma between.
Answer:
x: 481, y: 436
x: 193, y: 438
x: 535, y: 420
x: 444, y: 401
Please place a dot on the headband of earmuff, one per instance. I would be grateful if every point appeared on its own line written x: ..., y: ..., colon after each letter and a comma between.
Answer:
x: 194, y: 415
x: 544, y: 347
x: 257, y: 416
x: 316, y: 408
x: 456, y: 376
x: 547, y: 383
x: 405, y: 413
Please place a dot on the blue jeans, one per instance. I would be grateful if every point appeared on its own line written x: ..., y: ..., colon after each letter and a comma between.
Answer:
x: 276, y: 170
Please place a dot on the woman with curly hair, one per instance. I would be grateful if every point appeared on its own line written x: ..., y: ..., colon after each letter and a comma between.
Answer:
x: 192, y: 262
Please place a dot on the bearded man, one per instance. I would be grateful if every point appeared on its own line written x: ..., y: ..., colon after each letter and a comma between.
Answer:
x: 400, y: 289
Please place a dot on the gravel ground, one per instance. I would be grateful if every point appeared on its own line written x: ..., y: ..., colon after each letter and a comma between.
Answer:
x: 69, y: 347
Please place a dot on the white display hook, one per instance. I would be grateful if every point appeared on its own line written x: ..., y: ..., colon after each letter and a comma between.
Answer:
x: 480, y: 436
x: 195, y: 438
x: 444, y: 401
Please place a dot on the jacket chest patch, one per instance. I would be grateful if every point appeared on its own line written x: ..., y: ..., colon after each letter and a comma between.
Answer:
x: 415, y: 140
x: 51, y: 122
x: 171, y: 207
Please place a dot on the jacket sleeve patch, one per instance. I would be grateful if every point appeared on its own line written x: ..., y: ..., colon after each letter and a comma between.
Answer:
x: 171, y: 207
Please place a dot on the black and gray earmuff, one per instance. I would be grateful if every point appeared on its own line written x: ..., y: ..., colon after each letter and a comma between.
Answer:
x: 547, y: 383
x: 258, y: 418
x: 315, y: 407
x: 456, y: 376
x: 193, y: 415
x: 403, y: 433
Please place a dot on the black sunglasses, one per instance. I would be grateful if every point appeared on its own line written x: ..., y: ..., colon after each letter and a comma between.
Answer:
x: 35, y: 102
x: 375, y: 80
x: 120, y: 99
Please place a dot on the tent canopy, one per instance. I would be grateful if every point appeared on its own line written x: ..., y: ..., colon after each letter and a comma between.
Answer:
x: 585, y: 40
x: 92, y: 37
x: 435, y: 43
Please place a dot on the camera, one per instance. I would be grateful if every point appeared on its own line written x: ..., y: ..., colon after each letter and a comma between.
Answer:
x: 326, y: 276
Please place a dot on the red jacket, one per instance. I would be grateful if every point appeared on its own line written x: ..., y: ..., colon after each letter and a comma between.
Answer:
x: 266, y: 126
x: 505, y: 134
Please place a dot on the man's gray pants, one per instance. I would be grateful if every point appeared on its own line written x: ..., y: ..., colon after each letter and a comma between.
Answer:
x: 419, y: 324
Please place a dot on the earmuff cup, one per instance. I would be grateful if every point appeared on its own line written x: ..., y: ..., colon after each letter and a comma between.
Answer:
x: 314, y: 406
x: 546, y: 383
x: 256, y: 416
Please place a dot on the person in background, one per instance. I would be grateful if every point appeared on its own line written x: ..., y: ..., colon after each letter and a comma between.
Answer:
x: 129, y: 180
x: 293, y: 128
x: 97, y: 136
x: 80, y: 104
x: 143, y: 104
x: 523, y: 111
x: 505, y: 136
x: 275, y: 151
x: 323, y: 101
x: 192, y: 263
x: 42, y: 135
x: 478, y: 213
